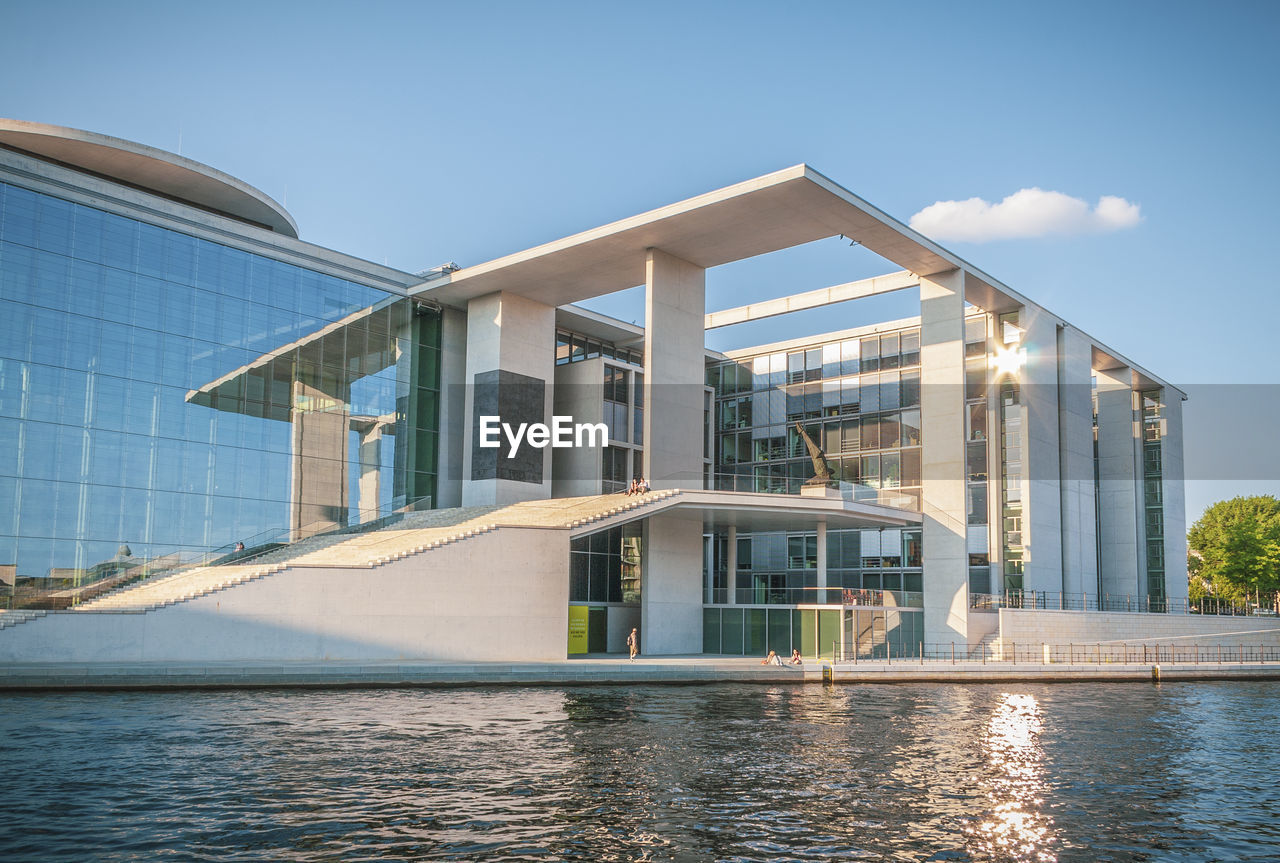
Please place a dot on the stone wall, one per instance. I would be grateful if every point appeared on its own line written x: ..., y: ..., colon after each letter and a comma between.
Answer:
x: 502, y: 595
x: 1025, y: 626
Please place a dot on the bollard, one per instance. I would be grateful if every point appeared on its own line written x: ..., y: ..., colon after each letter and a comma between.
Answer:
x: 1155, y: 674
x: 828, y: 673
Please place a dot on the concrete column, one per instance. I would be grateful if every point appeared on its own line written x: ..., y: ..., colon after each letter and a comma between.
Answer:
x: 1119, y: 486
x: 671, y: 586
x: 731, y: 563
x: 675, y: 371
x: 822, y: 562
x: 1075, y: 432
x: 1175, y: 499
x: 579, y: 393
x: 1041, y: 478
x: 320, y: 420
x: 510, y: 362
x: 942, y: 429
x: 454, y: 424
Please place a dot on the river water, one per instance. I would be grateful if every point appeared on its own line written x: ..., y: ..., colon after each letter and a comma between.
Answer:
x: 937, y: 772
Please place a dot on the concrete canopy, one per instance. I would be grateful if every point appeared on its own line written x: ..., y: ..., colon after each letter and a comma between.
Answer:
x: 166, y: 174
x: 787, y: 208
x: 751, y: 511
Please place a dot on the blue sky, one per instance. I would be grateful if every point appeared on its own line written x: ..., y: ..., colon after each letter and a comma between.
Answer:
x: 415, y: 133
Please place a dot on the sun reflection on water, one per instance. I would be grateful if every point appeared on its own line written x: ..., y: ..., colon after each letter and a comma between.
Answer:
x: 1015, y: 827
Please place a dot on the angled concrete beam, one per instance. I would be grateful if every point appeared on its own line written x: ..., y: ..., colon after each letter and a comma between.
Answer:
x: 813, y: 299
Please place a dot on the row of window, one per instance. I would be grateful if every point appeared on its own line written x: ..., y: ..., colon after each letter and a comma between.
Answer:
x: 574, y: 347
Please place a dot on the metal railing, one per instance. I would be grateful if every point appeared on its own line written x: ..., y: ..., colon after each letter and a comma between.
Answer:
x: 1057, y: 601
x: 845, y: 597
x: 115, y: 575
x: 908, y: 499
x: 1041, y: 653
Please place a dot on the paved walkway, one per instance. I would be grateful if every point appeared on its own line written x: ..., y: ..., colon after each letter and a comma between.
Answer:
x: 588, y: 671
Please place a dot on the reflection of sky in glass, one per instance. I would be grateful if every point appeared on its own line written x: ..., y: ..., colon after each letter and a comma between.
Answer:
x: 112, y: 334
x: 1016, y: 827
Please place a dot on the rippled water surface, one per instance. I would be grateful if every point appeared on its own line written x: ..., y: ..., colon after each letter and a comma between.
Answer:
x: 1185, y: 772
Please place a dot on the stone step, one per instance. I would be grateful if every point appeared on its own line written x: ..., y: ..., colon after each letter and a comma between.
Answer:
x: 416, y: 533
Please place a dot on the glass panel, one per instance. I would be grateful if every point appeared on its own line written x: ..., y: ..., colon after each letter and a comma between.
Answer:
x: 174, y: 372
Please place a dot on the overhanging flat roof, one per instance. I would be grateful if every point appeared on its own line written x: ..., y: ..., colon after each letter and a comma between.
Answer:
x: 759, y: 511
x: 787, y: 208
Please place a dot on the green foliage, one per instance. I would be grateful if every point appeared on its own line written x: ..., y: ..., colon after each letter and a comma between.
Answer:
x: 1235, y: 549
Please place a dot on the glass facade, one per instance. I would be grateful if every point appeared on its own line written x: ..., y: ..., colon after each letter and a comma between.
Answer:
x: 1153, y: 429
x: 1011, y: 437
x: 780, y: 568
x: 816, y: 633
x: 171, y: 394
x: 857, y: 398
x: 604, y: 567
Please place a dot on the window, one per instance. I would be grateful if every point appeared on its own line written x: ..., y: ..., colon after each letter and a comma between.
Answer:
x: 870, y: 351
x: 911, y: 348
x: 889, y: 351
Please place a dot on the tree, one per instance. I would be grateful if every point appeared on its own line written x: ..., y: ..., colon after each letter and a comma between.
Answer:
x: 1235, y: 549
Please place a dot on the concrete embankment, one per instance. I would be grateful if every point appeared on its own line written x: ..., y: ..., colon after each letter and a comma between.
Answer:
x: 586, y: 672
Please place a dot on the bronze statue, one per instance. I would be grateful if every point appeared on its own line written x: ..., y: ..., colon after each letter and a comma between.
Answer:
x: 822, y: 472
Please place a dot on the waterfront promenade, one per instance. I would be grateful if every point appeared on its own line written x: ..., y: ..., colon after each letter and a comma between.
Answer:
x: 607, y: 671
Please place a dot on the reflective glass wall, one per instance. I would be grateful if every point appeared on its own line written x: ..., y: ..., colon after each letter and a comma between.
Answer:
x: 166, y: 393
x: 857, y: 398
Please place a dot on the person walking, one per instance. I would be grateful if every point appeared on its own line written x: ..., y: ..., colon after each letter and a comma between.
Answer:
x: 633, y: 643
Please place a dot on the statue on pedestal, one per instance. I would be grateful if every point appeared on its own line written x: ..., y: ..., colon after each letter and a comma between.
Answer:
x: 823, y: 475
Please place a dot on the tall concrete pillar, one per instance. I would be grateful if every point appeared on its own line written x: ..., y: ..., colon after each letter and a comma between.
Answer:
x: 942, y: 429
x: 454, y: 424
x: 675, y: 371
x: 1175, y: 500
x: 731, y: 560
x: 1119, y: 487
x: 1075, y: 432
x: 320, y: 419
x: 1041, y: 478
x: 510, y: 362
x: 671, y: 586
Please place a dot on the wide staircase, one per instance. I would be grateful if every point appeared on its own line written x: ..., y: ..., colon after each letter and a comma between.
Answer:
x: 416, y: 533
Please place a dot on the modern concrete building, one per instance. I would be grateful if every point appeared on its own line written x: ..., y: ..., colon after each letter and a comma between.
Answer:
x: 180, y: 374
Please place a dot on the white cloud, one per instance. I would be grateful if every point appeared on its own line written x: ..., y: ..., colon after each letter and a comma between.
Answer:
x: 1026, y: 213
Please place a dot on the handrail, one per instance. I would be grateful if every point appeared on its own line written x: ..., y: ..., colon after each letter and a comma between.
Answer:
x: 838, y: 596
x: 1142, y: 653
x: 908, y: 499
x: 1042, y: 600
x: 116, y: 575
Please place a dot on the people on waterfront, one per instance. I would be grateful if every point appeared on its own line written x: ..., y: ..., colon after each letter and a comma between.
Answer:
x: 634, y: 488
x: 633, y: 643
x: 795, y: 657
x: 642, y: 486
x: 239, y: 546
x: 771, y: 659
